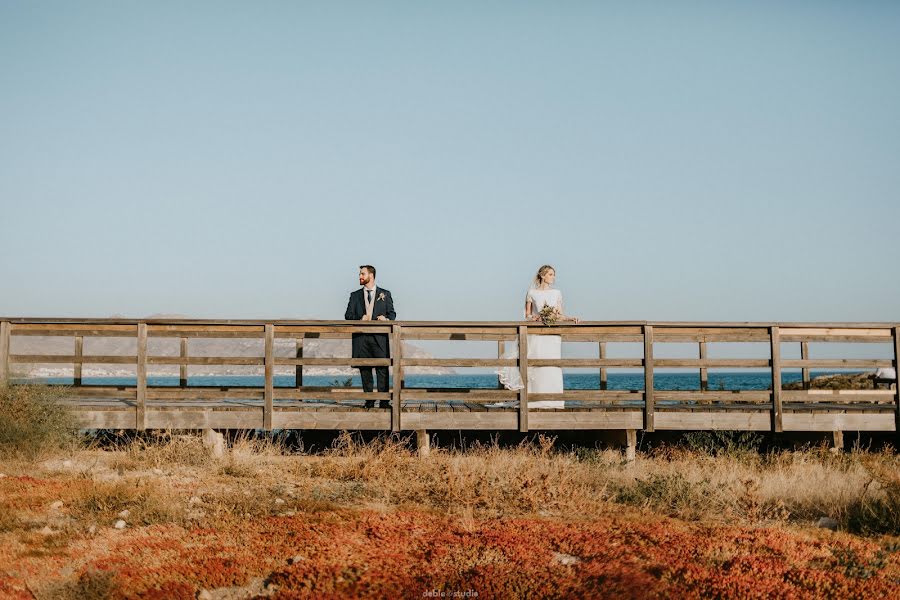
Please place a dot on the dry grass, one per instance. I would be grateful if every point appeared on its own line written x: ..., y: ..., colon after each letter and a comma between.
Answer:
x: 173, y: 479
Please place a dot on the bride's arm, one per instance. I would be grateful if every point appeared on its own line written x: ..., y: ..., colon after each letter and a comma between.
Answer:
x: 528, y: 315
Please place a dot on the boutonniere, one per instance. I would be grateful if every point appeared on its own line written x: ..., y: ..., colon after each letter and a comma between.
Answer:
x: 381, y: 296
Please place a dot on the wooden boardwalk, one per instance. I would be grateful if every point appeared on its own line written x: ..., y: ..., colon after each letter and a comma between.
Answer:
x: 144, y: 406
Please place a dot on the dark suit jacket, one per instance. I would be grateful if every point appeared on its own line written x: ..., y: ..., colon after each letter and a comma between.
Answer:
x: 356, y: 308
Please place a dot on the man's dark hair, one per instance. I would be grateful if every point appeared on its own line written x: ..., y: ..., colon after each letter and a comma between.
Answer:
x: 368, y: 268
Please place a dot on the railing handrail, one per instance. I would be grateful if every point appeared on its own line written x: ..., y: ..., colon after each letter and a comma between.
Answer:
x: 335, y: 322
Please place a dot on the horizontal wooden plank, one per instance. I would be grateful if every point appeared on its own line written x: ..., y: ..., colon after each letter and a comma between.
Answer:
x: 838, y: 422
x: 347, y: 327
x: 458, y: 362
x: 342, y: 322
x: 584, y: 330
x: 823, y: 395
x: 199, y: 394
x: 744, y: 421
x: 601, y: 338
x: 206, y: 360
x: 99, y: 392
x: 710, y: 334
x: 72, y: 359
x: 459, y: 420
x: 219, y: 335
x: 333, y: 394
x: 355, y: 420
x: 248, y: 418
x: 74, y: 329
x: 490, y: 337
x: 708, y: 363
x: 420, y: 332
x: 587, y: 395
x: 207, y: 331
x: 463, y: 394
x: 585, y: 362
x: 337, y: 362
x: 105, y: 419
x: 853, y: 406
x: 714, y: 395
x: 811, y: 333
x: 561, y: 420
x: 832, y: 363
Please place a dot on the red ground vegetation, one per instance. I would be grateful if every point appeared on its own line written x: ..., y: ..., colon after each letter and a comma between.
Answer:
x: 412, y: 554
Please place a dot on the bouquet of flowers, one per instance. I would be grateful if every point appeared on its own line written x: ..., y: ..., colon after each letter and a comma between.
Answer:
x: 549, y: 315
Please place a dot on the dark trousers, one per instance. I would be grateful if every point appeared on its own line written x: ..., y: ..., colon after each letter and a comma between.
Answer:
x: 368, y: 348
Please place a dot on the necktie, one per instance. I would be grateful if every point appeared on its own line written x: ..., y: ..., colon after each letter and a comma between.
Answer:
x: 369, y: 296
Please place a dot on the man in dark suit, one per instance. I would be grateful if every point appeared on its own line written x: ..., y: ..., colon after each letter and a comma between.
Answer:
x: 371, y: 303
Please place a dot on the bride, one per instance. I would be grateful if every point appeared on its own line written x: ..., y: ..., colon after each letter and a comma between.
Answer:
x: 541, y: 380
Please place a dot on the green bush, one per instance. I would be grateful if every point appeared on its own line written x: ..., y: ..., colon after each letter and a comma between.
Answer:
x: 724, y: 443
x: 877, y: 512
x: 33, y: 421
x: 671, y: 493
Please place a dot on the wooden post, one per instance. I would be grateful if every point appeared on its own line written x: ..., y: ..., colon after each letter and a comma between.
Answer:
x: 649, y: 406
x: 804, y: 354
x: 838, y: 439
x: 397, y: 351
x: 704, y: 372
x: 140, y: 409
x: 603, y: 371
x: 775, y: 344
x: 183, y: 368
x: 423, y: 443
x: 270, y: 376
x: 523, y: 373
x: 630, y: 445
x: 4, y: 350
x: 298, y: 373
x: 896, y: 380
x: 79, y: 357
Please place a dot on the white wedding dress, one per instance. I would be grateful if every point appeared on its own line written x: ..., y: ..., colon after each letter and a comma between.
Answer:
x: 541, y: 380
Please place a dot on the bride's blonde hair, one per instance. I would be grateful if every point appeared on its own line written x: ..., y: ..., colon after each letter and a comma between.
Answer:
x: 541, y: 273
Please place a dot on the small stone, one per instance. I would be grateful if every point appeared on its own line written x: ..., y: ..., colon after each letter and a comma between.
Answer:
x: 92, y: 530
x: 827, y: 523
x: 279, y: 501
x: 67, y: 464
x: 124, y: 514
x: 566, y: 559
x: 295, y: 559
x: 2, y: 475
x: 120, y: 524
x: 195, y: 500
x: 204, y: 595
x: 56, y: 505
x: 46, y: 531
x: 157, y: 471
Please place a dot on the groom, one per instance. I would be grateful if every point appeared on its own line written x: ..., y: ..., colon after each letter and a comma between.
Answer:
x: 371, y: 303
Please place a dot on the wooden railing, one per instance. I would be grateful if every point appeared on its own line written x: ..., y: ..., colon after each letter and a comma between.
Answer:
x: 302, y: 406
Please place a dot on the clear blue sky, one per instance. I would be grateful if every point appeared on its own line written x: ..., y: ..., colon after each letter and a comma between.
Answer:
x: 674, y: 161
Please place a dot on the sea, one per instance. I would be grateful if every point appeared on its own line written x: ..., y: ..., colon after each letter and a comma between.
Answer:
x: 732, y: 381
